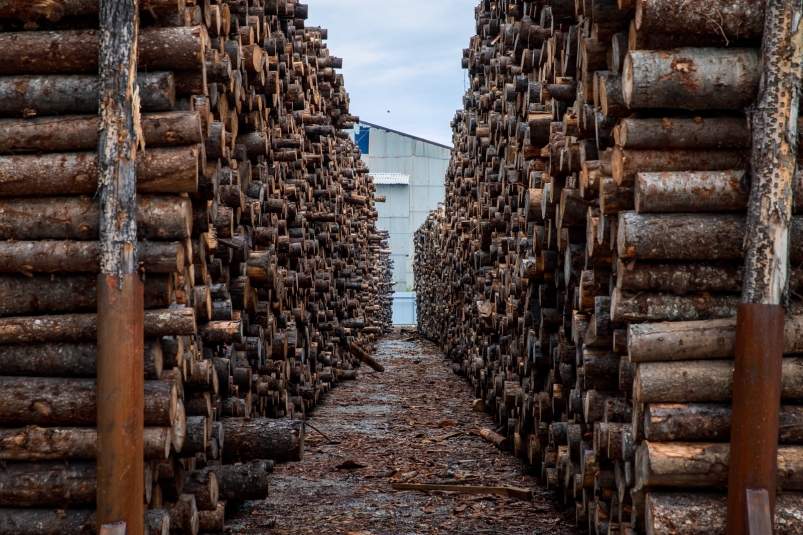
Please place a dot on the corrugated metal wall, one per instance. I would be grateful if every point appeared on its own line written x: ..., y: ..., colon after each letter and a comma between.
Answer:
x: 426, y: 163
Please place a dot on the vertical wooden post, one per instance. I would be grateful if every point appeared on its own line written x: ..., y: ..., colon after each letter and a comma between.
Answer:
x: 120, y: 289
x: 760, y: 316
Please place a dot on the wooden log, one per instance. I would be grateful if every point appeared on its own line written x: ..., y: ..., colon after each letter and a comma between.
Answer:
x: 709, y: 339
x: 71, y: 256
x: 203, y: 485
x: 83, y: 327
x: 704, y: 465
x: 663, y: 306
x: 691, y: 78
x: 48, y: 401
x: 679, y: 277
x: 684, y: 133
x: 157, y: 522
x: 69, y: 8
x: 247, y: 481
x: 709, y: 422
x: 34, y: 443
x: 48, y: 484
x: 708, y: 381
x: 67, y: 359
x: 61, y: 94
x: 365, y: 357
x: 47, y: 521
x: 74, y: 292
x: 625, y: 163
x: 689, y: 236
x: 80, y: 132
x: 212, y: 521
x: 495, y: 438
x: 160, y: 170
x: 726, y: 18
x: 691, y: 191
x: 262, y: 438
x: 683, y: 513
x: 76, y: 51
x: 183, y: 515
x: 77, y: 218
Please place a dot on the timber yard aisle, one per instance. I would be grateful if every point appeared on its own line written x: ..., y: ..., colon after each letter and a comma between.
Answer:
x: 414, y: 423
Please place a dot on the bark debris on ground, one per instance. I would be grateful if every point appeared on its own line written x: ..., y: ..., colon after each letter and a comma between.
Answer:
x: 412, y: 424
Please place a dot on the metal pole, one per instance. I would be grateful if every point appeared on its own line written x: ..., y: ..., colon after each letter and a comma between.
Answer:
x: 760, y: 317
x: 120, y: 494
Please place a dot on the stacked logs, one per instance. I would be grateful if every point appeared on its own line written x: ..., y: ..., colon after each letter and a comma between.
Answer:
x: 266, y: 278
x: 585, y: 268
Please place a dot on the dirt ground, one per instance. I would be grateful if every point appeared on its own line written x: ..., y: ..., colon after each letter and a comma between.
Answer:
x: 414, y: 424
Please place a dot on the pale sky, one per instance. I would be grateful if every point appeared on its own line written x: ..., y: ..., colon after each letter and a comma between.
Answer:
x: 401, y: 56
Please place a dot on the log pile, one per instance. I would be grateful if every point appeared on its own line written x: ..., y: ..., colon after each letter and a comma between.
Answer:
x: 585, y: 268
x: 266, y: 277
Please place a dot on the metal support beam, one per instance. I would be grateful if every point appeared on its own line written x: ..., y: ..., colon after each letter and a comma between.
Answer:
x: 120, y: 394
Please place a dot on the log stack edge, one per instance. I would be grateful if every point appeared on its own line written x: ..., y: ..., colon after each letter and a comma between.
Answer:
x: 585, y: 268
x: 265, y: 275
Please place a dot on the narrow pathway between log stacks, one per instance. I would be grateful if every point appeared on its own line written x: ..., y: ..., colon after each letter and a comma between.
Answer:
x: 413, y: 423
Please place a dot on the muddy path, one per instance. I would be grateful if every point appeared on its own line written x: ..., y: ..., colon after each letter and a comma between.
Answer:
x: 414, y: 424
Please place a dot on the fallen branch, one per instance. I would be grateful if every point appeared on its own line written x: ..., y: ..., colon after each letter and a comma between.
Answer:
x: 363, y: 355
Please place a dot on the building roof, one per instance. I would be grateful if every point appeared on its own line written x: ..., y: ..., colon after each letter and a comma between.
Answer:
x: 405, y: 135
x: 390, y: 179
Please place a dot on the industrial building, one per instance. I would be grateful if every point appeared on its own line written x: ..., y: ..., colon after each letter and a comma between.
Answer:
x: 409, y: 171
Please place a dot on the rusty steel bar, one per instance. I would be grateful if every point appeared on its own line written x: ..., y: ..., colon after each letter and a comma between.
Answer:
x: 121, y: 409
x: 756, y: 408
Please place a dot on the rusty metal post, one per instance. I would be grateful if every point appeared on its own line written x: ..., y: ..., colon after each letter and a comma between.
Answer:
x: 756, y: 408
x: 120, y: 391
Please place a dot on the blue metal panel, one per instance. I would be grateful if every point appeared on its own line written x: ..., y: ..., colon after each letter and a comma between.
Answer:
x: 362, y: 139
x: 404, y: 311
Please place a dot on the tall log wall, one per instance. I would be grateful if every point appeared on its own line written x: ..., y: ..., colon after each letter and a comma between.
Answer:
x: 265, y: 274
x: 584, y: 270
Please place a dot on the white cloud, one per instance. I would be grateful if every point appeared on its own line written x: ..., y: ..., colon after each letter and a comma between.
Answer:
x: 402, y: 56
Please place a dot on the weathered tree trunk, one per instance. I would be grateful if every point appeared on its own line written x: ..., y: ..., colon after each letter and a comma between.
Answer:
x: 51, y: 443
x: 703, y: 381
x: 709, y: 339
x: 691, y: 78
x: 684, y: 133
x: 80, y: 132
x: 247, y: 481
x: 183, y: 515
x: 212, y: 521
x: 625, y: 163
x: 710, y: 422
x: 704, y: 514
x: 640, y: 306
x: 691, y: 191
x: 78, y: 218
x: 71, y: 256
x: 679, y: 277
x: 703, y: 464
x: 51, y: 521
x: 365, y: 357
x: 55, y: 484
x: 52, y: 401
x: 262, y: 438
x: 203, y: 485
x: 62, y: 94
x: 728, y: 18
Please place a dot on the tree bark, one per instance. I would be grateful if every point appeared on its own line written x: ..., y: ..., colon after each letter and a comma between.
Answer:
x: 710, y: 422
x: 680, y: 277
x: 77, y: 256
x: 261, y: 438
x: 700, y: 381
x: 684, y: 133
x: 48, y: 484
x: 161, y: 218
x: 247, y: 481
x: 691, y: 78
x: 691, y: 191
x: 61, y: 94
x: 51, y: 521
x: 708, y: 339
x: 52, y: 401
x: 34, y: 443
x: 626, y: 163
x: 80, y: 132
x: 664, y: 306
x: 704, y: 465
x: 731, y: 19
x: 704, y: 514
